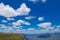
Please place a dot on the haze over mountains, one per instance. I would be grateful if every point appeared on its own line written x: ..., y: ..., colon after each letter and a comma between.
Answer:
x: 47, y: 36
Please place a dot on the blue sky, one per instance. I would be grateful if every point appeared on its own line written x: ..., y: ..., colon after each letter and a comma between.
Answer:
x: 30, y: 15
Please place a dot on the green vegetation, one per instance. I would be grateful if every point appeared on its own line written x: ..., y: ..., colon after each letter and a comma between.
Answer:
x: 6, y: 36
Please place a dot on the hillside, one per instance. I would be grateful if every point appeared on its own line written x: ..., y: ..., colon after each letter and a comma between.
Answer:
x: 6, y: 36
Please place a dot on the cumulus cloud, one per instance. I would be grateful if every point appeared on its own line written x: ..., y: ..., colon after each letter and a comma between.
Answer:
x: 23, y: 10
x: 4, y: 21
x: 8, y: 11
x: 3, y: 26
x: 30, y: 30
x: 41, y: 18
x: 29, y: 17
x: 19, y: 22
x: 10, y: 19
x: 27, y: 23
x: 17, y: 28
x: 45, y: 25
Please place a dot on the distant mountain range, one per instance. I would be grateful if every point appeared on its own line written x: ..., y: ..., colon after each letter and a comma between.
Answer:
x: 46, y: 36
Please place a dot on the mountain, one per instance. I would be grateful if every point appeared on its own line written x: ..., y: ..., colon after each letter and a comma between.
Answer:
x: 45, y: 36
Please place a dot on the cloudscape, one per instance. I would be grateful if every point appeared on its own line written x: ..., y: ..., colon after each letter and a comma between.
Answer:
x: 30, y: 16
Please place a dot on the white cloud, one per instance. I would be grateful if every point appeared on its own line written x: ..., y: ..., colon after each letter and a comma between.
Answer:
x: 8, y: 30
x: 45, y: 25
x: 29, y: 17
x: 17, y: 27
x: 8, y: 11
x: 34, y: 1
x: 43, y: 1
x: 41, y: 18
x: 10, y: 18
x: 18, y: 23
x: 31, y: 29
x: 23, y: 22
x: 23, y: 10
x: 4, y: 21
x: 27, y: 23
x: 3, y: 26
